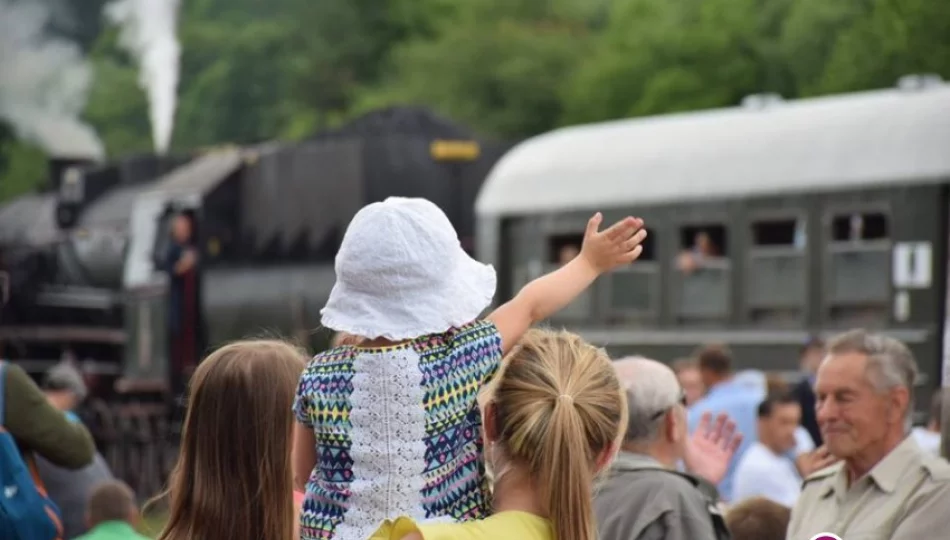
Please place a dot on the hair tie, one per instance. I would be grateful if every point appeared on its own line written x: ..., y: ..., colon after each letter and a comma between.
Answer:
x: 566, y: 397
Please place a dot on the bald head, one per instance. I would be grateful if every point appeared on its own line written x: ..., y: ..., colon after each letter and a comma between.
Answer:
x: 652, y: 388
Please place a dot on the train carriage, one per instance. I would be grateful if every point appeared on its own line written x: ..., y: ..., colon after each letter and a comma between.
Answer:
x: 811, y: 216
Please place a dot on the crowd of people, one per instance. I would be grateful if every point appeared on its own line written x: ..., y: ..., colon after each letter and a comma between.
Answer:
x: 427, y: 421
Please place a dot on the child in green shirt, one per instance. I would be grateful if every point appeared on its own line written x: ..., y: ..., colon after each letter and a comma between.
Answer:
x: 112, y: 513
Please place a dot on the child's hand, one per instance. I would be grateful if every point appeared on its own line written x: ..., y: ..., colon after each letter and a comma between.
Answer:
x: 613, y: 247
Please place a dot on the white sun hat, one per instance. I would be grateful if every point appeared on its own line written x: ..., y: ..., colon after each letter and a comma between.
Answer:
x: 401, y: 273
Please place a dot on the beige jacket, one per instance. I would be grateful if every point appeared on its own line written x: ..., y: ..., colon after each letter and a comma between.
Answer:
x: 904, y: 497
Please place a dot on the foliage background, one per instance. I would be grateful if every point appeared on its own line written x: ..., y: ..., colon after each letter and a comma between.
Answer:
x: 254, y: 70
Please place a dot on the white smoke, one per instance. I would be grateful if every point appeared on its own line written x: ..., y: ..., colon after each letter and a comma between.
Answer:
x: 44, y: 82
x: 147, y: 31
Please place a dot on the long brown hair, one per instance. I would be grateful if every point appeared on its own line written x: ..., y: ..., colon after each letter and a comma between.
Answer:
x: 558, y: 407
x: 233, y: 479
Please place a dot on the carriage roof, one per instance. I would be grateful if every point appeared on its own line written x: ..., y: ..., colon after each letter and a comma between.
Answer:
x: 879, y: 137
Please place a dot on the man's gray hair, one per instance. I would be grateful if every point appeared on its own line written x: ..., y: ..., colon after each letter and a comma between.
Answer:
x: 65, y: 377
x: 890, y: 362
x: 652, y: 388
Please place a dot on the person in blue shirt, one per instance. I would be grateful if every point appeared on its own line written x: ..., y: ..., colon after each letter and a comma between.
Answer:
x: 726, y: 395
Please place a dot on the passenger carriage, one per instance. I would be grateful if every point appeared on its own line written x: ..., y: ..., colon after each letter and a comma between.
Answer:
x: 826, y: 214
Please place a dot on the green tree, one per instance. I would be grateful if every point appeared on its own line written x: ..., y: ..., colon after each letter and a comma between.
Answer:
x: 893, y: 38
x: 22, y: 165
x: 117, y: 107
x: 810, y: 33
x: 496, y: 65
x: 659, y: 57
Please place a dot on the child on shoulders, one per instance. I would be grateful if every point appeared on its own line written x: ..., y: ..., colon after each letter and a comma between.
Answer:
x: 390, y: 426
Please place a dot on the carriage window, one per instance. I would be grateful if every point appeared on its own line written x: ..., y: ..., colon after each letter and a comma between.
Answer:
x: 700, y: 290
x: 649, y: 247
x: 562, y: 248
x: 776, y: 273
x: 633, y: 292
x: 858, y: 226
x: 779, y: 232
x: 858, y: 274
x: 708, y: 240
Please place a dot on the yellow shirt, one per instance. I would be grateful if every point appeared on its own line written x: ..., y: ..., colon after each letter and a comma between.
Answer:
x: 511, y: 525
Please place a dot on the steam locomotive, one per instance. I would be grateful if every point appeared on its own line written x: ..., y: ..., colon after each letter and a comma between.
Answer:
x: 82, y: 260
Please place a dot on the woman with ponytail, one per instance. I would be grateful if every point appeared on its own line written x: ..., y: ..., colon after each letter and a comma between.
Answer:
x: 553, y: 420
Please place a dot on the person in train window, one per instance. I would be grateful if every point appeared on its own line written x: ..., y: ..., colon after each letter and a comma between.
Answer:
x: 703, y: 248
x: 567, y: 253
x: 391, y: 426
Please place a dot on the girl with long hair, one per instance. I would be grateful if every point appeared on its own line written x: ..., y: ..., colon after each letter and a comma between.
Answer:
x: 553, y: 420
x: 233, y: 479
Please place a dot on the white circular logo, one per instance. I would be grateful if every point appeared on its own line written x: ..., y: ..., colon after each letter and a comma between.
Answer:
x: 825, y: 536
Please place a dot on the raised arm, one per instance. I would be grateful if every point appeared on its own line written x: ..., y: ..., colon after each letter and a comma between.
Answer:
x: 601, y: 252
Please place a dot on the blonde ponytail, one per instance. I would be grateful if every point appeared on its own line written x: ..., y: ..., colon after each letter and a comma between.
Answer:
x: 566, y: 465
x: 559, y: 408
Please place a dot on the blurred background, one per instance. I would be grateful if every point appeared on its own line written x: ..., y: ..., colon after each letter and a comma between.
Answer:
x: 252, y: 71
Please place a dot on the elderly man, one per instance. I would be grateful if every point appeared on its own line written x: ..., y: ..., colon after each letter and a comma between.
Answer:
x: 885, y: 487
x: 644, y: 498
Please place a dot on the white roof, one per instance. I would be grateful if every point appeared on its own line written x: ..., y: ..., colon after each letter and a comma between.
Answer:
x: 836, y: 142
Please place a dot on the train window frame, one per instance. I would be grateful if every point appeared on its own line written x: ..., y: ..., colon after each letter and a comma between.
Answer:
x: 651, y: 267
x: 673, y: 286
x: 563, y: 225
x: 554, y: 226
x: 756, y: 313
x: 652, y: 312
x: 830, y: 247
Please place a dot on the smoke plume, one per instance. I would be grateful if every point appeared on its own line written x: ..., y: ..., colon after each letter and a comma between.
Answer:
x: 44, y: 82
x: 147, y: 31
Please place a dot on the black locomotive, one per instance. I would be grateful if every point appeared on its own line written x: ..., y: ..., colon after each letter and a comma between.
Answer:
x: 88, y: 278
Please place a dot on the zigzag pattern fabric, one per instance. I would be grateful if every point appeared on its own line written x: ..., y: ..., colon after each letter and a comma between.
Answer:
x: 447, y: 371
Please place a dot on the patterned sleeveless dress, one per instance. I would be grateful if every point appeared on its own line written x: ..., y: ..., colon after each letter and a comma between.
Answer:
x: 398, y: 432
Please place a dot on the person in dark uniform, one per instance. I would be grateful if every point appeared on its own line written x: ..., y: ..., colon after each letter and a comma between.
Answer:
x: 812, y: 354
x: 183, y: 310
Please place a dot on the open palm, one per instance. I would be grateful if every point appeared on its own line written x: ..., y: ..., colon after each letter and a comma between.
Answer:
x: 710, y: 448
